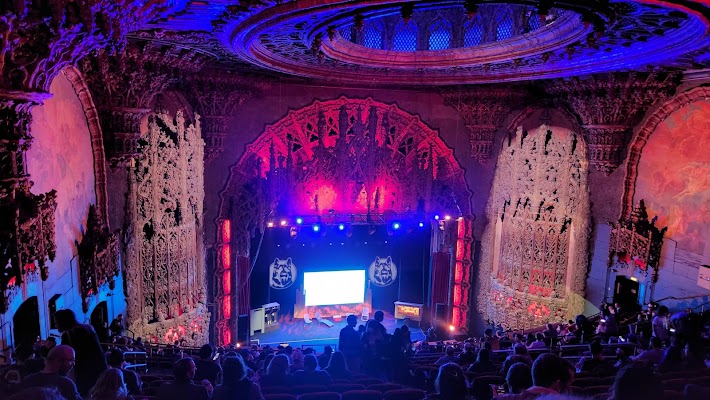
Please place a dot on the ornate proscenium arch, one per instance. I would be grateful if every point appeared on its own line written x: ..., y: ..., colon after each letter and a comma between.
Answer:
x: 342, y: 156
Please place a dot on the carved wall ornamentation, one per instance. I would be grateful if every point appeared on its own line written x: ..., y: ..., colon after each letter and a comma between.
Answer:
x: 350, y: 156
x: 608, y: 108
x: 98, y: 257
x: 483, y: 111
x: 535, y: 249
x: 165, y: 279
x: 217, y: 98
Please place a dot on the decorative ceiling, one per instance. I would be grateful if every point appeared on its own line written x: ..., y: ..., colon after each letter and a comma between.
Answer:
x: 439, y: 42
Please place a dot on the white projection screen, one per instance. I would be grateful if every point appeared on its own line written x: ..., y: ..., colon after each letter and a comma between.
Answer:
x: 334, y: 287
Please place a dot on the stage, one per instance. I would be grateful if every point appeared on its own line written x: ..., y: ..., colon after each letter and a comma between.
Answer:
x: 298, y: 334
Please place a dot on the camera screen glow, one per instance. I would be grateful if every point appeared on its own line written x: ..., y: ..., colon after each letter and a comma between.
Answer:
x: 334, y: 287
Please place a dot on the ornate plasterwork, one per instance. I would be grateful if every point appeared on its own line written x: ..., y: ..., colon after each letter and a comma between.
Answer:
x: 608, y: 108
x: 281, y: 37
x: 644, y: 132
x: 483, y: 109
x: 535, y: 248
x: 164, y: 252
x: 98, y: 258
x: 217, y: 97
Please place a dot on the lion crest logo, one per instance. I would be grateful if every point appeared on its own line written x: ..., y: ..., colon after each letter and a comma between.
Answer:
x: 383, y: 271
x: 282, y: 273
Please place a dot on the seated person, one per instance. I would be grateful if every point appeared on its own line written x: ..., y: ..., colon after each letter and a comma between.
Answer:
x: 520, y: 355
x: 310, y: 375
x: 652, y: 356
x: 596, y: 362
x: 468, y: 356
x: 277, y: 372
x: 115, y: 359
x: 207, y: 368
x: 539, y: 342
x: 54, y: 375
x: 519, y: 378
x: 551, y: 376
x: 337, y: 367
x: 182, y: 387
x: 448, y: 358
x: 483, y: 364
x: 488, y: 337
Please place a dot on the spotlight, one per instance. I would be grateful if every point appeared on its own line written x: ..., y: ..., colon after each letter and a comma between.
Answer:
x: 316, y: 228
x: 239, y: 345
x: 436, y: 217
x: 299, y: 220
x: 448, y: 217
x: 341, y: 227
x: 452, y: 328
x: 421, y: 224
x: 270, y: 224
x: 396, y: 225
x: 283, y: 222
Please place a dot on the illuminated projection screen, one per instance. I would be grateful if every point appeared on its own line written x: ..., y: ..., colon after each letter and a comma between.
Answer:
x: 334, y: 287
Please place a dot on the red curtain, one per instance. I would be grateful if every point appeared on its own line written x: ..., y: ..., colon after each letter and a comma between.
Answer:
x: 440, y: 280
x: 244, y: 288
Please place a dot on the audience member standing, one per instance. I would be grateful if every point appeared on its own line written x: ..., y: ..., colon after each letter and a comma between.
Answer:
x: 660, y: 325
x: 110, y: 386
x: 116, y: 326
x: 207, y: 368
x: 235, y: 383
x: 349, y: 344
x: 59, y: 362
x: 90, y: 360
x: 488, y: 337
x: 182, y: 387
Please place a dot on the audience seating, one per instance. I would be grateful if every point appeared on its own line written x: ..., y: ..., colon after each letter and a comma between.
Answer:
x: 302, y: 389
x: 320, y: 396
x: 593, y: 390
x: 405, y: 394
x: 274, y: 389
x: 280, y: 396
x: 384, y: 387
x: 362, y: 395
x: 368, y: 381
x: 346, y: 387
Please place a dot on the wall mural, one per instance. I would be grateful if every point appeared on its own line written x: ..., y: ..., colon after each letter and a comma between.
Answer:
x: 535, y: 250
x: 383, y: 271
x: 165, y: 280
x: 674, y: 176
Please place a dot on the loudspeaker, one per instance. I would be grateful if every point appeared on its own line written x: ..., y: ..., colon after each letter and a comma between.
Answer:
x: 243, y: 328
x: 441, y: 313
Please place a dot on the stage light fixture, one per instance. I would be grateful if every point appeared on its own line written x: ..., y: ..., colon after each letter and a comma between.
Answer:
x: 421, y: 224
x: 436, y: 217
x: 270, y: 224
x: 239, y: 345
x: 448, y: 217
x: 396, y: 225
x: 316, y: 228
x: 341, y: 227
x: 283, y: 222
x: 452, y: 328
x: 299, y: 220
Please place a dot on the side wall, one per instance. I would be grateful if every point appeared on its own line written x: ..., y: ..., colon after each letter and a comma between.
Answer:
x: 61, y: 158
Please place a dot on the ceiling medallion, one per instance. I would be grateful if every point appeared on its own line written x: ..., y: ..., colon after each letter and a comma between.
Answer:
x: 454, y: 42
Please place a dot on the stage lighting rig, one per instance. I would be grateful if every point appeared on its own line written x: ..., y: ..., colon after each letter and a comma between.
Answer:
x: 421, y: 224
x: 283, y: 222
x: 270, y: 224
x: 396, y: 225
x: 299, y: 220
x: 341, y: 227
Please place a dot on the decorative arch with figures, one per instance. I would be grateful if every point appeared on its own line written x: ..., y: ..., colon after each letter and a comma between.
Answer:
x: 343, y: 156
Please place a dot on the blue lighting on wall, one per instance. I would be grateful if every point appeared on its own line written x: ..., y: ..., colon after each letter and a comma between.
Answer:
x: 405, y: 36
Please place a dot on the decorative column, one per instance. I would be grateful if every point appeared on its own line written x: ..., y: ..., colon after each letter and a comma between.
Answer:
x: 609, y: 106
x: 483, y: 109
x: 217, y: 98
x: 39, y: 39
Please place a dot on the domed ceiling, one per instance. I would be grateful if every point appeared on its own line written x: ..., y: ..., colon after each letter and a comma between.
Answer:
x: 442, y: 42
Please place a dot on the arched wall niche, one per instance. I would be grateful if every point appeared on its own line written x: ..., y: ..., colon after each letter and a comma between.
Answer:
x: 535, y: 247
x: 324, y: 156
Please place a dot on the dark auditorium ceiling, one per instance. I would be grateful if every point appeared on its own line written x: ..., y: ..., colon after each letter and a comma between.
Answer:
x: 436, y: 42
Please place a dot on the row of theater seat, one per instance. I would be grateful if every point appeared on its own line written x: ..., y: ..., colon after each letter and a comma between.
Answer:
x: 399, y: 394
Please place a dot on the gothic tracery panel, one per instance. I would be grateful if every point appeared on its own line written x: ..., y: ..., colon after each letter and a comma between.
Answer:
x: 166, y: 289
x: 535, y: 251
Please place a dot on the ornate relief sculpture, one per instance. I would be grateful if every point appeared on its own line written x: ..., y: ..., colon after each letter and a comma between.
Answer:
x: 609, y: 107
x: 98, y: 257
x: 165, y: 282
x: 535, y: 249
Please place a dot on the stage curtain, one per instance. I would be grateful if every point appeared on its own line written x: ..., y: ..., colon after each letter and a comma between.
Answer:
x: 440, y: 279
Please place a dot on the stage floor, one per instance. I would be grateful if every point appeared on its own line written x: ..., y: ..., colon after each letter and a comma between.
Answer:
x: 299, y: 334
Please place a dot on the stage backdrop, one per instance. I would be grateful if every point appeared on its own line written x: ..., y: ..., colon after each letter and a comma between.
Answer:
x: 333, y: 250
